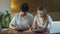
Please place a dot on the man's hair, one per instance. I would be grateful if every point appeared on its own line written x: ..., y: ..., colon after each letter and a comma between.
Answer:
x: 24, y: 7
x: 41, y: 8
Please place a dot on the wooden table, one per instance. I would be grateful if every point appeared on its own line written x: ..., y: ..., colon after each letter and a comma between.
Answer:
x: 18, y: 32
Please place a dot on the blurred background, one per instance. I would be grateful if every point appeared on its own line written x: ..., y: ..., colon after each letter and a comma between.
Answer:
x: 53, y: 7
x: 5, y: 13
x: 8, y: 8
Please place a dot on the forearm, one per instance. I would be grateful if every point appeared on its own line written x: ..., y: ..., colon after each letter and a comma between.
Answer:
x: 12, y: 27
x: 45, y: 25
x: 33, y: 26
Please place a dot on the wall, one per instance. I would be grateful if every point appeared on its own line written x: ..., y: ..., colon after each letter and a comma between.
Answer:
x: 53, y: 7
x: 5, y: 5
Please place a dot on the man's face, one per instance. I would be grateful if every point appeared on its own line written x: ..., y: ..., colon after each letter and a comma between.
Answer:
x: 23, y: 13
x: 40, y: 12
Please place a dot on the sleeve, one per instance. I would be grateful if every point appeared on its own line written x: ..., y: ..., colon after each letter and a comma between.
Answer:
x: 31, y: 20
x: 49, y: 22
x: 13, y: 22
x: 50, y: 19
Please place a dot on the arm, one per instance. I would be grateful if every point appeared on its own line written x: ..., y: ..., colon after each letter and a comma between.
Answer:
x: 48, y: 24
x: 12, y: 25
x: 31, y: 22
x: 34, y: 23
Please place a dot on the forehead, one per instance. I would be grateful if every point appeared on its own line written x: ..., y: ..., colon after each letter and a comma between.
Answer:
x: 40, y: 10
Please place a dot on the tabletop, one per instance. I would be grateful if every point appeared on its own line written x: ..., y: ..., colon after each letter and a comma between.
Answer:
x: 18, y: 32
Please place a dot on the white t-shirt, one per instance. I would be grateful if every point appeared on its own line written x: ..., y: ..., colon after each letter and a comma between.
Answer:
x: 39, y: 21
x: 20, y: 21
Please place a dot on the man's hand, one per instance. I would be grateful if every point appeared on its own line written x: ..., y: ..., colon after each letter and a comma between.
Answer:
x: 26, y: 27
x: 11, y: 26
x: 18, y: 28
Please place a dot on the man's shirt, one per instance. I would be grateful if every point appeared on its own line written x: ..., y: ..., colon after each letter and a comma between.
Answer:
x: 20, y: 21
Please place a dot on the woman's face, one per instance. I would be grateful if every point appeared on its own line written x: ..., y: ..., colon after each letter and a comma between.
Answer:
x: 40, y: 13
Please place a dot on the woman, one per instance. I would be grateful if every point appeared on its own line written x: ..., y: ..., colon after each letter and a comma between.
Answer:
x: 41, y: 19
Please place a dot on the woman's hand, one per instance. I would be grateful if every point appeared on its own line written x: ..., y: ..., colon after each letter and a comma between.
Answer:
x: 43, y: 29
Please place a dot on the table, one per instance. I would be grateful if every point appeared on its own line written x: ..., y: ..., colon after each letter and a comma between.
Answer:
x: 18, y: 32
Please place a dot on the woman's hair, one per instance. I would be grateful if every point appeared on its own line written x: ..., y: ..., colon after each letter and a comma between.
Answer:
x: 42, y: 8
x: 24, y: 7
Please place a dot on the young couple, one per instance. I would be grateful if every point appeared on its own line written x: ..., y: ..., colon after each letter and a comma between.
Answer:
x: 24, y: 21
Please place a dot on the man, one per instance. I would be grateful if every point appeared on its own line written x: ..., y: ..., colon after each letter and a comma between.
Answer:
x: 22, y: 20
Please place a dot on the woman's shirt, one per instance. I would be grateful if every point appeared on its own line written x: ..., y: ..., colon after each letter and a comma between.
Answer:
x: 38, y: 22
